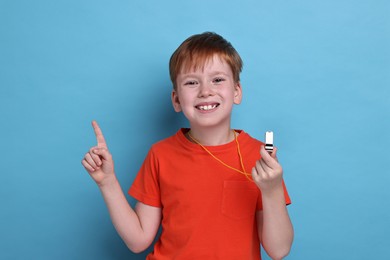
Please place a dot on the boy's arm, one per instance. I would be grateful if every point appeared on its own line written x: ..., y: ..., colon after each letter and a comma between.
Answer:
x: 273, y: 222
x: 137, y: 228
x: 274, y: 227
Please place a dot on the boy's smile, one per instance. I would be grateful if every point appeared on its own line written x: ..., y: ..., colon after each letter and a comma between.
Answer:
x: 207, y: 106
x: 207, y: 93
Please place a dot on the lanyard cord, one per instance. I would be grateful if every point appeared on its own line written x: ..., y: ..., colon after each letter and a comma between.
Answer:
x: 247, y: 175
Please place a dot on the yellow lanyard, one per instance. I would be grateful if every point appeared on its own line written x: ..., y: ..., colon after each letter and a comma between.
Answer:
x: 247, y: 175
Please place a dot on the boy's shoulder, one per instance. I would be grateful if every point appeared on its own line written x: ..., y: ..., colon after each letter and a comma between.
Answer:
x: 171, y: 141
x: 246, y: 137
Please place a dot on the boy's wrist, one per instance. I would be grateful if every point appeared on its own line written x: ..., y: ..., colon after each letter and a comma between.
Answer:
x: 274, y: 194
x: 108, y: 183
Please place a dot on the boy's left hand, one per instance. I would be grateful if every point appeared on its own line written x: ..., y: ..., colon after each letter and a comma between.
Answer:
x: 267, y: 173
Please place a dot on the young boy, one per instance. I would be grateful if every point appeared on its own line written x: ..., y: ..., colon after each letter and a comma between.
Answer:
x: 214, y: 194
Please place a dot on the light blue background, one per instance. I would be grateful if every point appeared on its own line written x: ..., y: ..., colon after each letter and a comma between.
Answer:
x: 316, y: 72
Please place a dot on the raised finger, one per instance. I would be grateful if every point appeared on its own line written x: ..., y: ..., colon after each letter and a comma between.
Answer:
x: 101, y: 142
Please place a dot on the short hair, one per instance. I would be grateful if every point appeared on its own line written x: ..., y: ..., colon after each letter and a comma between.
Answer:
x: 196, y: 50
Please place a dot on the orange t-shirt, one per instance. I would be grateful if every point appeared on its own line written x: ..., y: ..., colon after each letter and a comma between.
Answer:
x: 208, y: 209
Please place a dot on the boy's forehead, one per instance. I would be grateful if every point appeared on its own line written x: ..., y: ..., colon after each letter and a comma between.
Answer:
x: 199, y: 63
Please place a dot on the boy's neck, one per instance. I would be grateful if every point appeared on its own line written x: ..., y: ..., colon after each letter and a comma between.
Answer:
x: 211, y: 136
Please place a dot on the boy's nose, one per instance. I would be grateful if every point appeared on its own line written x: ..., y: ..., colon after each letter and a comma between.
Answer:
x: 205, y: 90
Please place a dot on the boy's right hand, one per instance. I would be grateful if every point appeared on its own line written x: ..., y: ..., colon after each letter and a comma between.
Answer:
x: 98, y: 160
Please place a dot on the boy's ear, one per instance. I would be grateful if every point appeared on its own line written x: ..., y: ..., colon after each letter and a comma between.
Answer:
x: 175, y: 101
x: 237, y: 93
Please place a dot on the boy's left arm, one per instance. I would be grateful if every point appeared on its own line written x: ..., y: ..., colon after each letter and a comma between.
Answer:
x: 273, y: 222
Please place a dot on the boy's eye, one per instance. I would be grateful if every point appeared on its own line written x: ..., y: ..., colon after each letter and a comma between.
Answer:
x: 218, y: 80
x: 190, y: 82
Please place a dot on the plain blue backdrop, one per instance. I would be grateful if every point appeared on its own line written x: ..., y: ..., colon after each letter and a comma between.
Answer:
x: 317, y: 73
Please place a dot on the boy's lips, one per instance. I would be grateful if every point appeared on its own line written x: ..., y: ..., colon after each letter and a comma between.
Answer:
x: 206, y: 106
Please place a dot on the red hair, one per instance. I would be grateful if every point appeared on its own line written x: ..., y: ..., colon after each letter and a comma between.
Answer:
x: 196, y: 50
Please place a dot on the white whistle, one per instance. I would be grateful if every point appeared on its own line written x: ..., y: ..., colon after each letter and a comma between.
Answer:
x: 269, y: 141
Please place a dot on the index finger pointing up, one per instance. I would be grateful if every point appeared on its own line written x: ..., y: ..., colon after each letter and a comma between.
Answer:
x: 101, y: 142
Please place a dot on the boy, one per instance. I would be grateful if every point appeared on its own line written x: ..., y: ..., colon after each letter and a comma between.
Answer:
x: 195, y: 183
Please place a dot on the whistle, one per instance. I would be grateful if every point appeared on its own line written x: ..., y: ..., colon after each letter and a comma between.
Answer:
x: 269, y: 141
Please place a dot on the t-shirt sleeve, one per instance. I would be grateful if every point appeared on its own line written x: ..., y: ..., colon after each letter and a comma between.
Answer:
x: 145, y: 187
x: 286, y: 195
x: 286, y: 198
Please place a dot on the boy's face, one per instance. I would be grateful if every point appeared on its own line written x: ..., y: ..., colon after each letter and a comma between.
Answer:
x: 206, y: 95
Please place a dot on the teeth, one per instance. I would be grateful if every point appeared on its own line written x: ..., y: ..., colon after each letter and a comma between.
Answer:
x: 207, y: 107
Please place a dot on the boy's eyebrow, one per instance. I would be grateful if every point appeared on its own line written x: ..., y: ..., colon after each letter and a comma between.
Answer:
x: 187, y: 76
x: 219, y: 72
